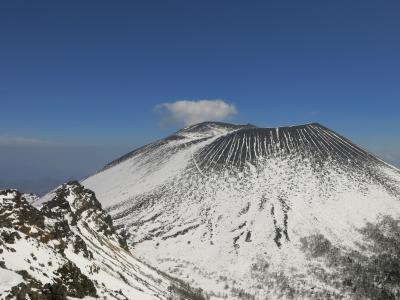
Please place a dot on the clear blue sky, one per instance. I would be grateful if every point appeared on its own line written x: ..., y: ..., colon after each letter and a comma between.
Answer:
x: 85, y: 76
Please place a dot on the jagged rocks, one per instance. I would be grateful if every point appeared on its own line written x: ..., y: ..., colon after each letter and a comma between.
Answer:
x: 54, y: 291
x: 18, y: 217
x: 10, y: 237
x: 18, y: 292
x: 80, y: 205
x: 77, y: 284
x: 16, y: 212
x: 79, y: 245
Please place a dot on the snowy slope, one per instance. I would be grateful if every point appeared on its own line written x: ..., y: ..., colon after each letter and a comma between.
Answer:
x: 290, y: 212
x: 70, y: 248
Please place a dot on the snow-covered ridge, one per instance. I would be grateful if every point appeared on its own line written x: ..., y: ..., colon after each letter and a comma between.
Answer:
x: 211, y: 129
x: 69, y: 248
x: 191, y: 134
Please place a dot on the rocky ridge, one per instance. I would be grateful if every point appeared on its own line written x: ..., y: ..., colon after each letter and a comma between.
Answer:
x: 69, y: 248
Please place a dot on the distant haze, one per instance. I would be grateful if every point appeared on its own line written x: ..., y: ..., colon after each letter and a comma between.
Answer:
x: 40, y: 168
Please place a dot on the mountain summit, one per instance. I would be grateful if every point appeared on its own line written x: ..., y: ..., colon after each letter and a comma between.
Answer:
x: 242, y: 211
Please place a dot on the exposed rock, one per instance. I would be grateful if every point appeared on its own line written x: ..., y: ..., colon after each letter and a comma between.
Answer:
x: 16, y: 212
x: 77, y: 284
x: 72, y: 203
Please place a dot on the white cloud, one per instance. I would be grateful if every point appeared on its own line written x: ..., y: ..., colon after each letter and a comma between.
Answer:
x: 190, y: 112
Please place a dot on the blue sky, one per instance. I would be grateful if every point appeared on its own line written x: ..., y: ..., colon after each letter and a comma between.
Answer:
x: 84, y: 77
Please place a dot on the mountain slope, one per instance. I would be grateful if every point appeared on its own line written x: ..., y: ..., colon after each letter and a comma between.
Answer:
x: 290, y: 212
x: 70, y: 248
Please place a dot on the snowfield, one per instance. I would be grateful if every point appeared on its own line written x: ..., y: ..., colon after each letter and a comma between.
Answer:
x: 8, y: 279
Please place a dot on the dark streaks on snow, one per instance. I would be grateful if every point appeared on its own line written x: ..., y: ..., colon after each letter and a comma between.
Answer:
x: 280, y: 229
x: 248, y: 145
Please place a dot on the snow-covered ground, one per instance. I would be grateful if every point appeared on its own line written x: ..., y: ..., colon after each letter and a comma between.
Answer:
x: 8, y: 280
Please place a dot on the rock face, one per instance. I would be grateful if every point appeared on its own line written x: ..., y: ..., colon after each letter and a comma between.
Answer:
x: 290, y: 212
x: 69, y: 248
x: 79, y: 205
x: 15, y: 211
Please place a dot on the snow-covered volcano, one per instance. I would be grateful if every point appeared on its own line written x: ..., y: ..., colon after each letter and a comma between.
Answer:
x: 241, y: 211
